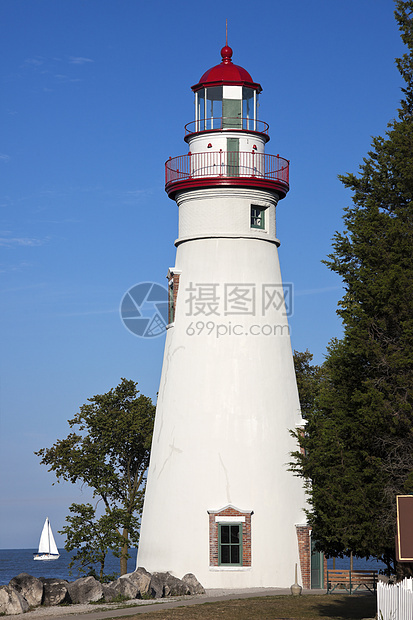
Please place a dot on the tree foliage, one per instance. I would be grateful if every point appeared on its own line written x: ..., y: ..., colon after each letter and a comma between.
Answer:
x: 109, y: 452
x: 91, y: 538
x: 309, y: 379
x: 359, y: 436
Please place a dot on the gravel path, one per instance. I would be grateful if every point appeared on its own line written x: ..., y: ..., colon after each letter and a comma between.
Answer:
x: 136, y: 606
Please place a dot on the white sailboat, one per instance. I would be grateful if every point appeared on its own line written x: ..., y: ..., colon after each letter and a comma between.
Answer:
x: 47, y: 546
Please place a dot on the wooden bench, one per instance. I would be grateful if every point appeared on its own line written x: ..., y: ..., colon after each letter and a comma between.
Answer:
x: 351, y: 580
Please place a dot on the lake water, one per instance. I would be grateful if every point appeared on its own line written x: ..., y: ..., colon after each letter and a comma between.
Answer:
x: 344, y: 563
x: 15, y: 561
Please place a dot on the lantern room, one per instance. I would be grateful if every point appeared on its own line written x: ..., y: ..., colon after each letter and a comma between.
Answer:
x: 226, y: 98
x: 226, y: 140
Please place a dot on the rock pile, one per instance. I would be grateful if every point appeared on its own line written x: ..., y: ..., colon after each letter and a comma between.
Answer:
x: 25, y: 592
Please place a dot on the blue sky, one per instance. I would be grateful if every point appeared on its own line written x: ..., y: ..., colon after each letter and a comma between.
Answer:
x: 95, y: 94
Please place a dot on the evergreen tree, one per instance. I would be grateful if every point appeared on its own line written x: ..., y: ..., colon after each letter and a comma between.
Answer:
x: 359, y: 437
x: 309, y: 379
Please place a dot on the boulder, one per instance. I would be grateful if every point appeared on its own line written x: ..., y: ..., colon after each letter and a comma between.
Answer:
x: 156, y: 585
x: 165, y: 584
x: 29, y: 587
x: 85, y: 590
x: 174, y: 586
x: 133, y: 585
x: 109, y: 592
x: 11, y: 601
x: 125, y: 587
x: 55, y: 591
x: 141, y: 578
x: 193, y: 584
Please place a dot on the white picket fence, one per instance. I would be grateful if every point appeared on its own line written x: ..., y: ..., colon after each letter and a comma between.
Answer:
x: 395, y: 602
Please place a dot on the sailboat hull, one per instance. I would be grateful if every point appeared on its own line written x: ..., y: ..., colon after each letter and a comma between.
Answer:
x: 46, y: 556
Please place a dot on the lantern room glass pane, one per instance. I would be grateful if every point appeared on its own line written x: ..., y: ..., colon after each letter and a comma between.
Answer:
x: 249, y: 113
x: 200, y: 113
x: 214, y: 107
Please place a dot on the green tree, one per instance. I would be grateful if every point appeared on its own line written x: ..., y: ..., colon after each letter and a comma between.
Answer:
x: 91, y: 538
x: 309, y: 378
x: 359, y: 437
x: 110, y: 454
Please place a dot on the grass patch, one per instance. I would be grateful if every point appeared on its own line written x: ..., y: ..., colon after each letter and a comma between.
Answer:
x: 101, y: 601
x: 119, y: 598
x: 309, y: 607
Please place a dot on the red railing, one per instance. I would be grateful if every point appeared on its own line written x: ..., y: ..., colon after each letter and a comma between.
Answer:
x: 232, y: 164
x: 230, y: 123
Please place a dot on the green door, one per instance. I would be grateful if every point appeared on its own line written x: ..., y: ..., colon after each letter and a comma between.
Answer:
x: 231, y: 114
x: 233, y: 157
x: 317, y: 566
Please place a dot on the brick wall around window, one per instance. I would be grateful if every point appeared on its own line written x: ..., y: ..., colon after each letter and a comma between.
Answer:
x: 240, y: 516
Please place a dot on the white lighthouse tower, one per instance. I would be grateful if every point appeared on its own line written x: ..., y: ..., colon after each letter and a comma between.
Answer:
x: 220, y: 501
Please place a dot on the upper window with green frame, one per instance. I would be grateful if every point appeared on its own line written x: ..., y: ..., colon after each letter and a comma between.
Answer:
x: 230, y: 544
x: 257, y: 217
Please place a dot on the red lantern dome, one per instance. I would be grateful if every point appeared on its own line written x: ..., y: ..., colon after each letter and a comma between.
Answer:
x: 226, y: 73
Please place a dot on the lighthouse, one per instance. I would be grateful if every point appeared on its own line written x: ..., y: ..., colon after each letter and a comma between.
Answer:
x: 220, y: 502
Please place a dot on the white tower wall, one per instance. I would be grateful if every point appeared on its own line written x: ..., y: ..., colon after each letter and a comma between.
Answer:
x: 224, y: 212
x: 227, y: 400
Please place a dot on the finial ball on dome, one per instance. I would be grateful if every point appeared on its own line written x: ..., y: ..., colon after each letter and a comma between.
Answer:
x: 226, y: 53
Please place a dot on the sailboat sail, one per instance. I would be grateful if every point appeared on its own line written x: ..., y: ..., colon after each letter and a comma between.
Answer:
x: 47, y: 545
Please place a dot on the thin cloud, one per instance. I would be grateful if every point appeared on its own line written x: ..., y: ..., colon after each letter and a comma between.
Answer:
x: 79, y: 60
x: 10, y: 242
x: 12, y: 268
x: 63, y: 221
x: 34, y: 62
x: 61, y: 77
x: 27, y: 287
x: 56, y: 70
x: 4, y: 158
